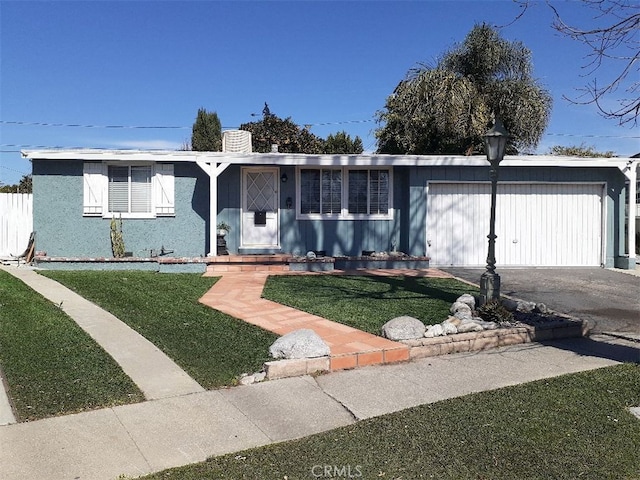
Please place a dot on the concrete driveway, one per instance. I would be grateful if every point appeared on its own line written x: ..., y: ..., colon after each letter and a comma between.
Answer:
x: 608, y: 299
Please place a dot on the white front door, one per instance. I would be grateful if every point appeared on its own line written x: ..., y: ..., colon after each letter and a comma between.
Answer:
x: 259, y: 227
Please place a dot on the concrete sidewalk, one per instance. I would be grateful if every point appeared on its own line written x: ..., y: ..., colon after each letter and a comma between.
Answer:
x: 154, y: 435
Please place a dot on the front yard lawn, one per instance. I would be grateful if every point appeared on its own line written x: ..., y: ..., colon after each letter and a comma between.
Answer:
x: 214, y: 348
x: 52, y: 366
x: 367, y: 303
x: 573, y: 426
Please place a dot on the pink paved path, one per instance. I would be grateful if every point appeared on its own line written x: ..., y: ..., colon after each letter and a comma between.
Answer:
x: 239, y: 294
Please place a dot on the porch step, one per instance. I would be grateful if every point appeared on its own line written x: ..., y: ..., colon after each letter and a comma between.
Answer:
x: 248, y: 263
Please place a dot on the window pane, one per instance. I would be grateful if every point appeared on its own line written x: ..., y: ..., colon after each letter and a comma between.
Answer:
x: 141, y: 189
x: 118, y: 189
x: 357, y: 191
x: 379, y: 191
x: 309, y: 191
x: 331, y: 191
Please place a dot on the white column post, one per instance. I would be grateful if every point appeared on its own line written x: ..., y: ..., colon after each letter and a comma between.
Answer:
x: 213, y: 211
x: 632, y: 175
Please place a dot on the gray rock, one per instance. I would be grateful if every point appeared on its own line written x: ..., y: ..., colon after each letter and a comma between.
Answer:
x: 455, y: 321
x: 469, y: 325
x: 509, y: 304
x: 246, y: 380
x: 526, y: 307
x: 434, y: 331
x: 449, y: 328
x: 541, y: 308
x: 460, y: 307
x: 486, y: 325
x: 463, y: 315
x: 304, y: 343
x: 468, y: 299
x: 260, y: 376
x: 403, y: 328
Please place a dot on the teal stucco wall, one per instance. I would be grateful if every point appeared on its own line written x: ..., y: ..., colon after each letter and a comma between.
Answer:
x: 62, y: 230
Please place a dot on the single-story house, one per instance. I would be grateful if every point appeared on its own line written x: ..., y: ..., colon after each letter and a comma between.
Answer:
x: 551, y: 211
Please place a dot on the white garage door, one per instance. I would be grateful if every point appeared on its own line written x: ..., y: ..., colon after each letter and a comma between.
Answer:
x: 539, y: 224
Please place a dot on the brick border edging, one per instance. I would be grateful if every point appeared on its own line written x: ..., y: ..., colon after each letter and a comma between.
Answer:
x: 500, y: 337
x: 430, y: 347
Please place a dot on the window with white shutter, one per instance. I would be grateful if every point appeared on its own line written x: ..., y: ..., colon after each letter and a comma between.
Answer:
x: 128, y: 190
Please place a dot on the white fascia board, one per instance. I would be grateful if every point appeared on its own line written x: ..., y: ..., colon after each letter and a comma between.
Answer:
x: 325, y: 160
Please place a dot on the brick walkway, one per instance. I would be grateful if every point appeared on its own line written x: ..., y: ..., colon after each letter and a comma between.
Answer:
x: 239, y: 294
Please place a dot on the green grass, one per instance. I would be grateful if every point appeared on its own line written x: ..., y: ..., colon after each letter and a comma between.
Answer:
x: 52, y: 366
x: 214, y: 348
x: 569, y: 427
x: 367, y: 303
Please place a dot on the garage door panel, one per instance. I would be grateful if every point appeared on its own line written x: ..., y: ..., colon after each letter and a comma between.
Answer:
x: 536, y: 224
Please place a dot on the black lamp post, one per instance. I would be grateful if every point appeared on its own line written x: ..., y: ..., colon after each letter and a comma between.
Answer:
x: 495, y: 141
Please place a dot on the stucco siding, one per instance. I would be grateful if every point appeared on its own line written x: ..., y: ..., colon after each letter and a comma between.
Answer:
x: 63, y: 231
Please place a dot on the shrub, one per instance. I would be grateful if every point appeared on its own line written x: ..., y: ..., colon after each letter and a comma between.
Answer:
x: 494, y: 311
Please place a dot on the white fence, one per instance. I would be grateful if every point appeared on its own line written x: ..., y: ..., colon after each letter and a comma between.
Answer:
x: 16, y: 222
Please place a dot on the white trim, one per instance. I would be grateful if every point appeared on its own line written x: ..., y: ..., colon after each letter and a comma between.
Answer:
x: 344, y: 210
x: 603, y: 220
x: 327, y: 160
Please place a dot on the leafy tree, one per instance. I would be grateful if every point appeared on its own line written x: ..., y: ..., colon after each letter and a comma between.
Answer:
x: 25, y: 185
x: 449, y: 107
x: 206, y: 134
x: 579, y: 151
x: 289, y: 137
x: 341, y: 142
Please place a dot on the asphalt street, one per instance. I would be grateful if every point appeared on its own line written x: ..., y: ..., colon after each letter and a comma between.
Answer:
x: 608, y: 299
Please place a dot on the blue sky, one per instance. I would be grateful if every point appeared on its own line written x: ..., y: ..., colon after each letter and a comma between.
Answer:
x: 330, y: 64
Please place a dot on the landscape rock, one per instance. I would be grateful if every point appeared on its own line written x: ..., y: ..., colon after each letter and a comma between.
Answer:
x: 486, y: 325
x: 434, y: 331
x: 463, y: 315
x: 525, y: 307
x: 460, y: 307
x: 510, y: 305
x: 449, y: 328
x: 469, y: 325
x: 246, y: 379
x: 455, y: 321
x: 541, y: 308
x: 468, y: 299
x: 304, y: 343
x: 403, y: 328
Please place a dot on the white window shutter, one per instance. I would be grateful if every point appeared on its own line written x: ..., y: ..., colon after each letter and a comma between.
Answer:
x: 164, y: 190
x: 94, y: 188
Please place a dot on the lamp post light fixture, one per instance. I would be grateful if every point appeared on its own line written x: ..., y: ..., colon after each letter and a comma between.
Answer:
x: 495, y: 141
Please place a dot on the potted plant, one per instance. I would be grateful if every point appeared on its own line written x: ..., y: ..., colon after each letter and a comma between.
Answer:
x: 223, y: 229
